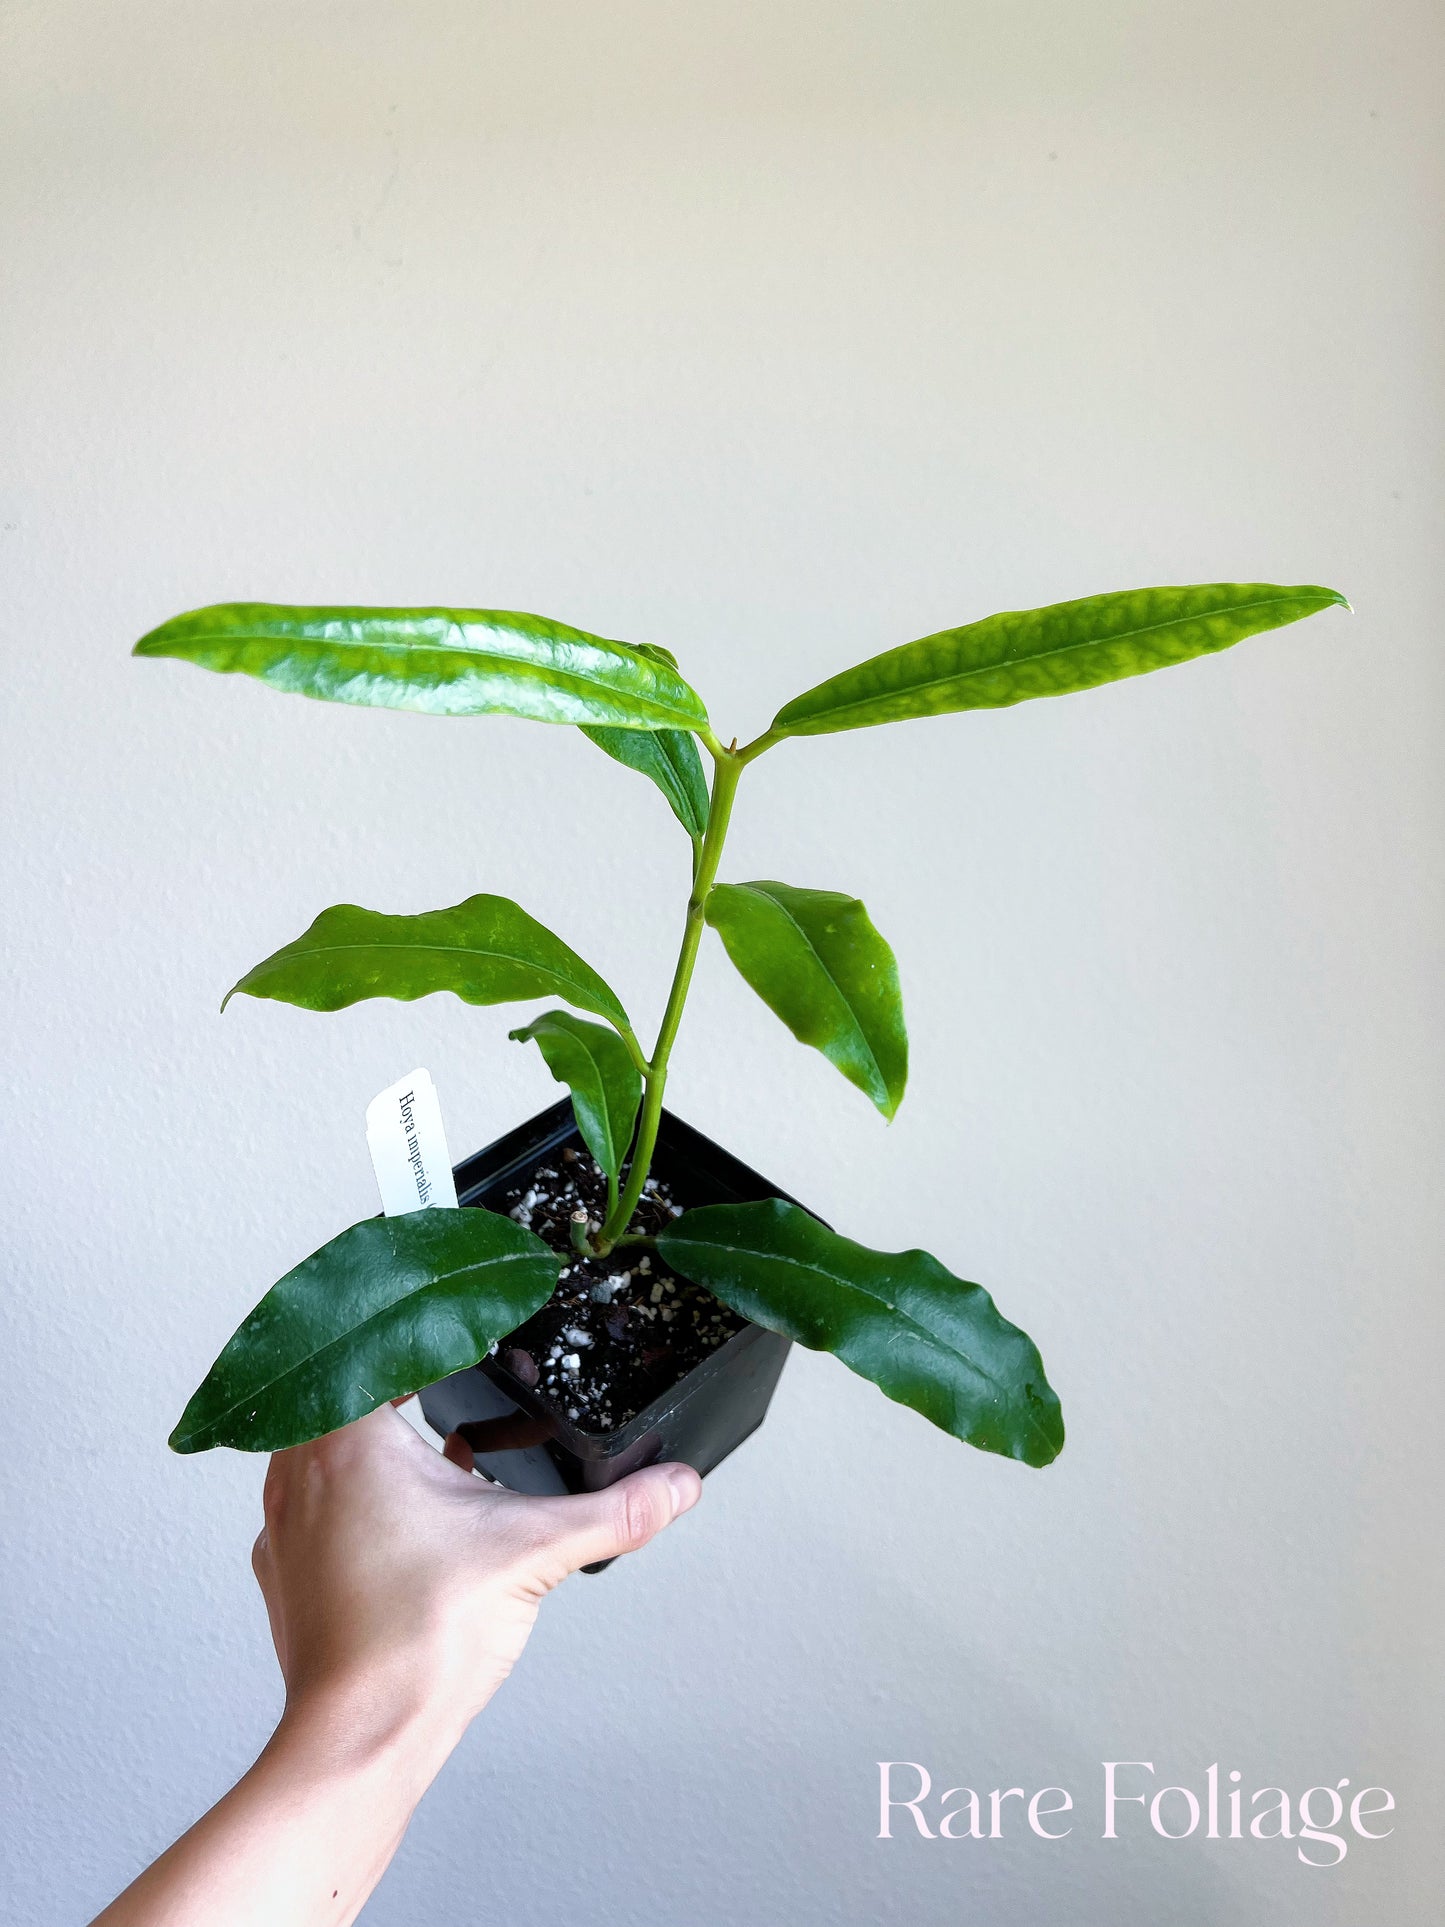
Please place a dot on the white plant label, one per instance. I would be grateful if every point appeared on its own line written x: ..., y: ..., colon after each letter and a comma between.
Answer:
x: 409, y: 1147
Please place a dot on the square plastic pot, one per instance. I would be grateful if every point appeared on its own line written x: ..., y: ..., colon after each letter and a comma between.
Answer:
x: 521, y: 1441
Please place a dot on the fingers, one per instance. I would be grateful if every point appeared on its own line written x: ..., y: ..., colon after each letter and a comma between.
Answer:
x: 578, y: 1531
x: 456, y: 1448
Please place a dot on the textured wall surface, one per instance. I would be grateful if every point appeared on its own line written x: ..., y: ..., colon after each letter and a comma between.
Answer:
x: 779, y: 335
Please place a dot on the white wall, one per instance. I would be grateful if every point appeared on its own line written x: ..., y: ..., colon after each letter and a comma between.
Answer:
x: 780, y: 335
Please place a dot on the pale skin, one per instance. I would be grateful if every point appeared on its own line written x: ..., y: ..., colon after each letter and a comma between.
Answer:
x: 401, y: 1590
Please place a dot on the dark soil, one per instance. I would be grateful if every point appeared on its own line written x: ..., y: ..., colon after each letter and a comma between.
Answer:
x: 620, y: 1330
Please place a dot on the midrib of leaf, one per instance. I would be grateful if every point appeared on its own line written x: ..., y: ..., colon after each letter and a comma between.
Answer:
x: 444, y: 1278
x: 1042, y: 655
x: 835, y: 986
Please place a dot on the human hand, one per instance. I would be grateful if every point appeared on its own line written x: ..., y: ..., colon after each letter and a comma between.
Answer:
x: 401, y: 1588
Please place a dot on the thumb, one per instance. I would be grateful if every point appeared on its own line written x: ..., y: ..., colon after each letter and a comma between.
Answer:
x: 589, y: 1526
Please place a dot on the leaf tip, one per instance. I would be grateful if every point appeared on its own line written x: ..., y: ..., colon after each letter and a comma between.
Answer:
x: 1327, y: 598
x: 159, y: 641
x: 1048, y: 1436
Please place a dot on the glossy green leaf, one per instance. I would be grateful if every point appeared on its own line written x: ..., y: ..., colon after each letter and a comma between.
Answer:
x: 594, y: 1063
x: 447, y: 662
x: 927, y: 1339
x: 1047, y: 652
x: 815, y: 959
x: 485, y: 951
x: 669, y: 758
x: 387, y: 1307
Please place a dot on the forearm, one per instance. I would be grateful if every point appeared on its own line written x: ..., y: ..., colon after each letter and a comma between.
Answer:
x: 304, y: 1837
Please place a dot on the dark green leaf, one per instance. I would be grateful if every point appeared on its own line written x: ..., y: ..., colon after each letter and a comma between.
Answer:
x: 1047, y: 652
x: 924, y: 1337
x: 606, y: 1088
x: 448, y: 662
x: 815, y: 959
x: 670, y: 758
x: 485, y: 951
x: 387, y: 1307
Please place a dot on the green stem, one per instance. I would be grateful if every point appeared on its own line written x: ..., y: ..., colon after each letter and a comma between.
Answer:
x: 634, y: 1049
x: 759, y: 743
x: 727, y: 769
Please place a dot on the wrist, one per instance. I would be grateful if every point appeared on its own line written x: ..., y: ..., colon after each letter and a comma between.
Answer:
x: 360, y: 1727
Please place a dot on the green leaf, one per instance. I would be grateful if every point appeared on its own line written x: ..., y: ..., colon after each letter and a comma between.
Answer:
x: 670, y: 758
x: 485, y: 951
x: 447, y: 662
x: 1047, y: 652
x: 387, y: 1307
x: 606, y: 1088
x: 815, y: 959
x: 927, y: 1339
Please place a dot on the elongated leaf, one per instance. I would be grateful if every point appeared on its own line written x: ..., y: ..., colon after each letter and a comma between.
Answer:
x: 815, y: 959
x: 605, y: 1085
x: 485, y: 951
x: 1047, y: 652
x: 448, y: 662
x: 926, y: 1338
x: 385, y: 1308
x: 669, y: 757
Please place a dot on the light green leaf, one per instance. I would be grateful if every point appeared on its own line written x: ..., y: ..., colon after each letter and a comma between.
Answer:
x: 1047, y: 652
x: 816, y: 960
x: 606, y: 1088
x: 485, y: 951
x: 447, y: 662
x: 929, y: 1340
x: 387, y: 1307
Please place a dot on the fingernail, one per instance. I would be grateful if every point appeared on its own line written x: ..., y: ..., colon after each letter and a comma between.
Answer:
x: 685, y: 1486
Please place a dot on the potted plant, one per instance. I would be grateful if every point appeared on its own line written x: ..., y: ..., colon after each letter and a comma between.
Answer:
x: 614, y: 1288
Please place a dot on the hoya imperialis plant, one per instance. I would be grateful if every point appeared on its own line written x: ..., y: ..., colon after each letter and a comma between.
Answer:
x: 394, y: 1304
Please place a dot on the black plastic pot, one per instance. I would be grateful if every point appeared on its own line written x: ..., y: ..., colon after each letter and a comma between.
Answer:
x: 522, y: 1442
